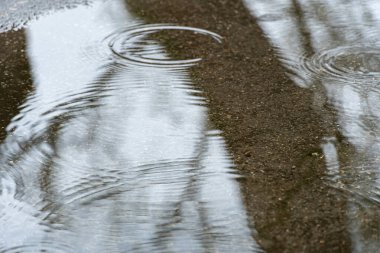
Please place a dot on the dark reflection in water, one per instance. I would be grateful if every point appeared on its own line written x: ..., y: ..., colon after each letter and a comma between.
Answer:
x: 15, y: 73
x: 114, y: 154
x: 332, y: 47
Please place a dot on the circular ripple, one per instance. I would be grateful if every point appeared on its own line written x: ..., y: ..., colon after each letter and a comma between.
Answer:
x: 349, y: 63
x: 130, y: 46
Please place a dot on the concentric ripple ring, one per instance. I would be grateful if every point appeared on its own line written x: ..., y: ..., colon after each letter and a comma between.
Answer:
x: 346, y: 63
x: 124, y: 35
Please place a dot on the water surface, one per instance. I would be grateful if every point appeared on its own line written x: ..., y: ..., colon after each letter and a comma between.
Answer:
x: 111, y: 149
x: 332, y: 47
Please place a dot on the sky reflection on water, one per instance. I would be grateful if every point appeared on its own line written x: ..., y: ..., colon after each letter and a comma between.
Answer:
x: 111, y: 157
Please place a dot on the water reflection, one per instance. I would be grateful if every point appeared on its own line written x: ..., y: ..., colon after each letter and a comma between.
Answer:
x: 16, y: 14
x: 332, y: 47
x: 113, y: 157
x: 149, y: 52
x: 15, y: 80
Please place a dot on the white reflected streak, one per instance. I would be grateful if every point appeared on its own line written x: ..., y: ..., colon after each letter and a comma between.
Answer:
x: 331, y: 158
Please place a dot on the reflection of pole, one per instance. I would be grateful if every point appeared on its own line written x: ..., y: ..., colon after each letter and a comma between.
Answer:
x: 15, y: 79
x: 304, y: 32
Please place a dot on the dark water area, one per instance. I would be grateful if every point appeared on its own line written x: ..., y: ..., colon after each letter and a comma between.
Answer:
x: 332, y: 48
x: 106, y: 144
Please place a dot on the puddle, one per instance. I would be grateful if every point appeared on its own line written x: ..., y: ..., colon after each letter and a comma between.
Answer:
x: 111, y: 149
x: 331, y: 47
x: 130, y: 46
x: 346, y: 64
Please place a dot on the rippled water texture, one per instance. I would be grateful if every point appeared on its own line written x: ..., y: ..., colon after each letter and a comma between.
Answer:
x: 147, y: 52
x: 332, y: 47
x: 111, y: 150
x: 17, y: 14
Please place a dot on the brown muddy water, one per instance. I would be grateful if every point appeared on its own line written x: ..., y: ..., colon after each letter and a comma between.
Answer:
x: 189, y: 126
